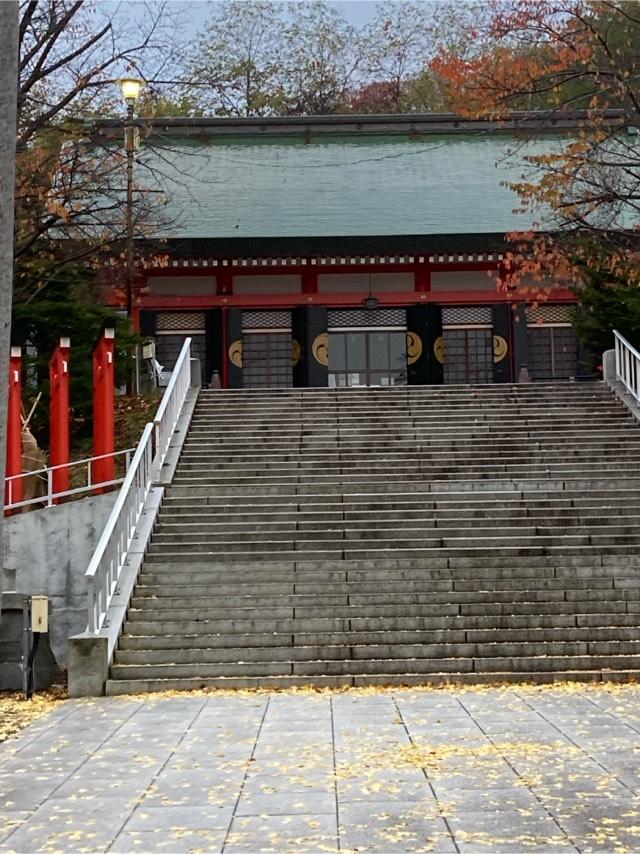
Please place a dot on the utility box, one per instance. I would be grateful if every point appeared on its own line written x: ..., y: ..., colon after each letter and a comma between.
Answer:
x: 39, y: 614
x: 149, y: 350
x: 12, y: 633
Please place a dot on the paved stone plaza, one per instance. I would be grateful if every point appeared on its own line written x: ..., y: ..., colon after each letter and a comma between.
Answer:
x: 554, y: 769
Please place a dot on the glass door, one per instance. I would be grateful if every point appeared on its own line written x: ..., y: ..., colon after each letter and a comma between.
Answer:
x: 367, y: 357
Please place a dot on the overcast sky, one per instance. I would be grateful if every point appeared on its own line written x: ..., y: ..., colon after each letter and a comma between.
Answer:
x: 357, y: 12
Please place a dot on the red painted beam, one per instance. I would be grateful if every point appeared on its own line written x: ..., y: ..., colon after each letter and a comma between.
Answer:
x: 104, y: 406
x: 15, y: 491
x: 391, y: 299
x: 59, y: 447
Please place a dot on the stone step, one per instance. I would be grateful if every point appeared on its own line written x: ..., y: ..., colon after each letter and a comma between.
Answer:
x: 213, y: 606
x: 383, y: 552
x: 345, y: 618
x: 316, y: 541
x: 215, y: 517
x: 152, y: 596
x: 208, y: 532
x: 596, y: 485
x: 482, y: 603
x: 229, y: 443
x: 160, y: 583
x: 155, y: 648
x: 368, y: 453
x: 330, y: 667
x: 562, y: 560
x: 427, y: 466
x: 446, y: 502
x: 499, y: 418
x: 141, y: 632
x: 185, y: 659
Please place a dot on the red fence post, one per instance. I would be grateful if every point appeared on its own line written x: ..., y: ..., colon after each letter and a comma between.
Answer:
x: 103, y: 407
x: 14, y: 492
x: 59, y: 416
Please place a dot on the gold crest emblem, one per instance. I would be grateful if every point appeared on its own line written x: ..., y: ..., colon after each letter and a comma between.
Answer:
x: 320, y: 349
x: 414, y: 347
x: 235, y: 354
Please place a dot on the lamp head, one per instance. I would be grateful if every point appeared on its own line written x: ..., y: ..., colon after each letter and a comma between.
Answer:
x: 131, y: 87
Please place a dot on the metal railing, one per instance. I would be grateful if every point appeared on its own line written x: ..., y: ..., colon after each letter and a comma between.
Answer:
x: 78, y: 470
x: 111, y: 552
x: 627, y: 365
x: 166, y: 419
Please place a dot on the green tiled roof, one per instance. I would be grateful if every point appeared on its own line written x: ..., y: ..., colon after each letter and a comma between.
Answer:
x: 244, y: 186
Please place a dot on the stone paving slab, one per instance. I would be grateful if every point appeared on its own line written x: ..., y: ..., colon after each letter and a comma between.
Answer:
x: 452, y: 770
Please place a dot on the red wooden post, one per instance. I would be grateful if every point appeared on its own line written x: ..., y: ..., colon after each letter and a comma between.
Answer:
x: 14, y: 492
x: 103, y: 407
x: 59, y: 451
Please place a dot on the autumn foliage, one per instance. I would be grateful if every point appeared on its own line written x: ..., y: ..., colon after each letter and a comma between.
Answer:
x: 585, y: 189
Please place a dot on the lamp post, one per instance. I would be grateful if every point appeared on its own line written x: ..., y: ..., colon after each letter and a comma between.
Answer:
x: 130, y: 87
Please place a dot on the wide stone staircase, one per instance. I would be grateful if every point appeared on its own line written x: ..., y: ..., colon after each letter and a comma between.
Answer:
x: 393, y: 536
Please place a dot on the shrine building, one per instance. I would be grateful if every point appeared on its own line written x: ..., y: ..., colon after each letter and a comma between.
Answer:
x: 349, y: 251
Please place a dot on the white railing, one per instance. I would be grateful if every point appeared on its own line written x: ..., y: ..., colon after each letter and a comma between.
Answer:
x: 627, y: 365
x: 111, y: 552
x: 171, y: 405
x: 79, y: 470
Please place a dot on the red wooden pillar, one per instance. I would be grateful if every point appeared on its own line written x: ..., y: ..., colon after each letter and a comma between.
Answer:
x: 14, y: 492
x: 103, y: 407
x: 59, y: 451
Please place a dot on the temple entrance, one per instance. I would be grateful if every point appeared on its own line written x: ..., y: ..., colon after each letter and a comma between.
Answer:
x: 266, y: 349
x: 552, y: 345
x: 468, y: 344
x: 367, y: 347
x: 367, y: 357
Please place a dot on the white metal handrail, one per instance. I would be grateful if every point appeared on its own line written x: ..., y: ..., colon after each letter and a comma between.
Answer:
x: 111, y: 552
x: 45, y: 474
x: 171, y: 405
x: 627, y: 365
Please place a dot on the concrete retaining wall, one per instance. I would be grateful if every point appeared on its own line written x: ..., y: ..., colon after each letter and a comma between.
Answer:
x: 47, y: 552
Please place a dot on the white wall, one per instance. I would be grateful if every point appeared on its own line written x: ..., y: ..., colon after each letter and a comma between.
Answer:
x: 464, y: 280
x: 359, y: 283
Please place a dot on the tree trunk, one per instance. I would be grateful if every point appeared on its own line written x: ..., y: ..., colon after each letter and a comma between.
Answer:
x: 8, y: 112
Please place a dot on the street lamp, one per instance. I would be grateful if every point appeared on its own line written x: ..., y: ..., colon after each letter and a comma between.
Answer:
x: 130, y: 87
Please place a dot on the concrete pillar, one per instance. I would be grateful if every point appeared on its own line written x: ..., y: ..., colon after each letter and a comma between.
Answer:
x: 609, y: 374
x: 88, y: 665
